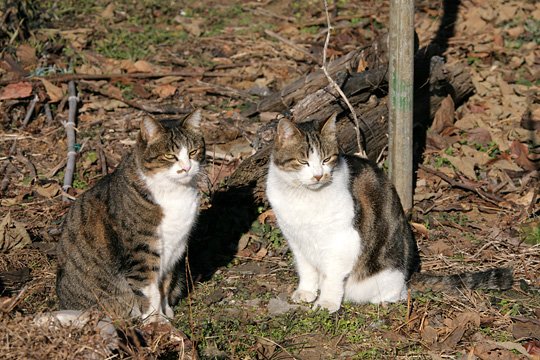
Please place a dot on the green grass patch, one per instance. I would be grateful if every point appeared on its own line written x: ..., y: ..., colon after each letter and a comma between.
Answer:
x: 137, y: 43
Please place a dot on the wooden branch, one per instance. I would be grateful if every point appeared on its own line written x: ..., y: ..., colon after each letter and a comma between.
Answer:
x: 369, y: 57
x: 73, y: 77
x: 30, y: 111
x: 453, y: 182
x: 70, y: 132
x: 164, y: 109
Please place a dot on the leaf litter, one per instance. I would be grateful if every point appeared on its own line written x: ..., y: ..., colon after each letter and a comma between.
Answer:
x: 487, y: 147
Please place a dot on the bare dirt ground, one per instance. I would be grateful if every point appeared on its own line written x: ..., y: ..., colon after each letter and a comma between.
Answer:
x: 476, y: 196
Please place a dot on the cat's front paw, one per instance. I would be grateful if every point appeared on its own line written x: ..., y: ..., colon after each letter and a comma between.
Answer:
x: 303, y: 296
x: 169, y: 312
x: 156, y: 318
x: 332, y: 307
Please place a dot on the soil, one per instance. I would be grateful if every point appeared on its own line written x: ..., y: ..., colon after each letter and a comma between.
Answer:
x: 476, y: 203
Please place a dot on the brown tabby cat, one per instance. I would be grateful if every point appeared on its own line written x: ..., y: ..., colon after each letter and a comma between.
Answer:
x: 345, y: 225
x: 123, y: 239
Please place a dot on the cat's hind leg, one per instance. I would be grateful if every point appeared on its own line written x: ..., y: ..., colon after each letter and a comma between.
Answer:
x: 308, y: 280
x: 387, y: 285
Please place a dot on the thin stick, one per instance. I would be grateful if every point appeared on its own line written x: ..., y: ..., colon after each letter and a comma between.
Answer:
x: 73, y: 77
x: 495, y: 199
x: 144, y: 107
x: 291, y: 44
x: 48, y: 113
x: 30, y: 111
x: 70, y: 131
x: 361, y: 152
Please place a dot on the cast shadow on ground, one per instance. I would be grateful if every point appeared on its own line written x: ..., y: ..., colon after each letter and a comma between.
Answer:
x: 423, y: 65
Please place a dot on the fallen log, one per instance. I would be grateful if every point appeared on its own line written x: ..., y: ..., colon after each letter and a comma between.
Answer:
x: 311, y: 98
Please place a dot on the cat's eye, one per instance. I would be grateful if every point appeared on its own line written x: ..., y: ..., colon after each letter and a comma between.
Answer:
x: 192, y: 153
x: 169, y: 157
x: 303, y: 162
x: 328, y: 159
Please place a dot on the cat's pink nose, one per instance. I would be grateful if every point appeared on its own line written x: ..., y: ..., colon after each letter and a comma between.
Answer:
x: 184, y: 169
x: 317, y: 177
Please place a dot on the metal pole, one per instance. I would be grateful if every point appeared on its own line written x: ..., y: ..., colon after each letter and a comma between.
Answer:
x: 401, y: 45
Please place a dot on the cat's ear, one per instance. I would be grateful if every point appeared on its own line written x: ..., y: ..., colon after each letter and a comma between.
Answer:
x: 151, y: 129
x: 328, y: 127
x: 286, y: 131
x: 193, y: 121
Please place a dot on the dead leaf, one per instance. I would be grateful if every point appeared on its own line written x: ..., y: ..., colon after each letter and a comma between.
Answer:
x: 49, y: 190
x: 479, y: 158
x: 464, y: 164
x: 444, y: 117
x: 533, y: 348
x: 13, y: 235
x: 492, y: 351
x: 440, y: 247
x: 525, y: 328
x: 55, y: 93
x: 261, y: 253
x: 107, y: 105
x: 480, y: 136
x: 267, y: 215
x: 429, y: 335
x: 362, y: 65
x: 77, y: 37
x: 16, y: 91
x: 108, y: 13
x: 520, y: 153
x: 244, y: 241
x: 144, y: 66
x: 26, y: 55
x: 420, y: 228
x: 164, y: 91
x: 458, y: 327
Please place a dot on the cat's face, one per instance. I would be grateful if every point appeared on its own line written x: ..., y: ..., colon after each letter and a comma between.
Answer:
x: 172, y: 151
x: 305, y: 154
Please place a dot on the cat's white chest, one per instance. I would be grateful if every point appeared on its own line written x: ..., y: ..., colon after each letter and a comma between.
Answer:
x: 179, y: 204
x: 318, y: 224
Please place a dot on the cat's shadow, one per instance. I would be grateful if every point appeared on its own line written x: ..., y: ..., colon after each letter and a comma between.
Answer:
x: 214, y: 240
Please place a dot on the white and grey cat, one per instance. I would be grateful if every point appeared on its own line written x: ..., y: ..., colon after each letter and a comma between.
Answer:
x: 345, y: 225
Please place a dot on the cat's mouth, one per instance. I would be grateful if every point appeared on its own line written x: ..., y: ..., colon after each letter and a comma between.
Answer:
x: 317, y: 185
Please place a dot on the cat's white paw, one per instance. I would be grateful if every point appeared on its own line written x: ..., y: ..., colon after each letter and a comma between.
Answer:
x: 303, y: 296
x: 332, y: 307
x: 169, y: 312
x: 156, y: 318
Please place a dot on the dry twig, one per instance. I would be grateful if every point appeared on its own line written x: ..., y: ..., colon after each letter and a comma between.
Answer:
x: 72, y: 77
x: 292, y: 44
x: 165, y: 109
x: 70, y: 131
x: 361, y: 152
x: 493, y: 198
x: 30, y: 111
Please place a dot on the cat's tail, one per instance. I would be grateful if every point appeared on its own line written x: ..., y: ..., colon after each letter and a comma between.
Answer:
x: 492, y: 279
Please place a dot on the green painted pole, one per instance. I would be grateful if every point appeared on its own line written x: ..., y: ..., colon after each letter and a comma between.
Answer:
x: 401, y: 45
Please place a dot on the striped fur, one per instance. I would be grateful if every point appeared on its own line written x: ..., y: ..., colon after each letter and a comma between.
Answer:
x: 112, y: 246
x: 345, y: 225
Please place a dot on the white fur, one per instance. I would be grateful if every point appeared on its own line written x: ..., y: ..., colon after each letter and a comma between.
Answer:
x: 316, y: 217
x: 176, y: 192
x: 387, y: 285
